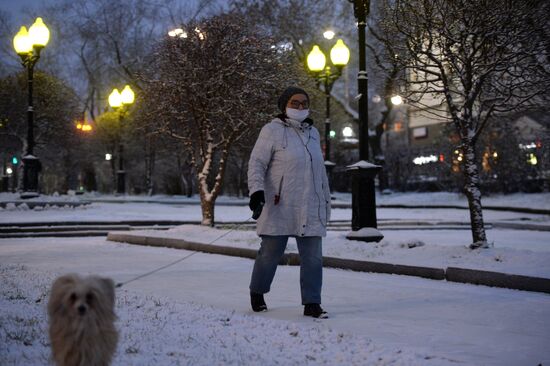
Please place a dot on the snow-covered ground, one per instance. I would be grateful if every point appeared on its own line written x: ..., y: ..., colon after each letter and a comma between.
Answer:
x: 182, y: 208
x: 197, y: 312
x: 531, y: 200
x: 160, y: 331
x: 525, y: 252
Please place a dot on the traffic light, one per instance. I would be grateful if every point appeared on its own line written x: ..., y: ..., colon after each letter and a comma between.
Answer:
x: 14, y: 160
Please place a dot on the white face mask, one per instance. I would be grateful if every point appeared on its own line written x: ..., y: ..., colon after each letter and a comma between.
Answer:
x: 297, y: 114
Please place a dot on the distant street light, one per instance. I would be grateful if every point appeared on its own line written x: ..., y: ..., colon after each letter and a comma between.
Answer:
x: 347, y: 132
x: 120, y: 101
x: 178, y: 32
x: 396, y: 100
x: 84, y: 127
x: 329, y: 34
x: 28, y: 46
x: 323, y: 73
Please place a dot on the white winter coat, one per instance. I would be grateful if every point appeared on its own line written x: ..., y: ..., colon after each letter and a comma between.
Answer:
x: 287, y: 161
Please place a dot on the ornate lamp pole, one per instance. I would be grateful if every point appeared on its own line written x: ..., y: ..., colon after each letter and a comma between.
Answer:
x: 363, y: 220
x: 119, y: 101
x: 323, y: 73
x: 28, y: 46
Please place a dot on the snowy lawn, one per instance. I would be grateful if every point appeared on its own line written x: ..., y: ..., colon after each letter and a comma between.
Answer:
x: 525, y: 252
x: 197, y: 312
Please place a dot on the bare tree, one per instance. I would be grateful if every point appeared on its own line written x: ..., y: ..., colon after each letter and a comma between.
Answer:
x: 8, y: 58
x: 296, y: 22
x: 102, y: 44
x: 209, y: 86
x: 481, y: 58
x: 388, y: 70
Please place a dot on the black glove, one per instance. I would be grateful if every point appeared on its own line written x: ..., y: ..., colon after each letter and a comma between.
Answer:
x: 257, y: 201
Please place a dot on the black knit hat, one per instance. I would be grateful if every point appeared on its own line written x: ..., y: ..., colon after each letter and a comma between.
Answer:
x: 287, y: 94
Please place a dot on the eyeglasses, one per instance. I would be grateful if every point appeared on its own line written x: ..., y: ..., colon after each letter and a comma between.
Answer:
x: 296, y: 104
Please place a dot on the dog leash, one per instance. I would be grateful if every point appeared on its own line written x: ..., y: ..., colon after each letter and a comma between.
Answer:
x: 237, y: 226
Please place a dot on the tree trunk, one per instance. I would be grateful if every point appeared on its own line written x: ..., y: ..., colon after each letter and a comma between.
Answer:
x: 474, y: 196
x: 207, y: 208
x: 242, y: 175
x: 379, y: 158
x: 208, y: 196
x: 149, y: 165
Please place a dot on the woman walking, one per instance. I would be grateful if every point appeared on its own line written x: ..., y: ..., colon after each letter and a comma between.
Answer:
x: 288, y: 184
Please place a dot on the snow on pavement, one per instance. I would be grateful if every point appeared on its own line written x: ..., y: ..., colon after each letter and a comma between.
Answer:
x: 182, y: 212
x: 183, y: 208
x: 197, y: 312
x: 530, y: 200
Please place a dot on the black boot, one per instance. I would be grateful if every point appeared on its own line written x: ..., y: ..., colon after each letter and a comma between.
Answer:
x: 315, y: 311
x: 257, y: 302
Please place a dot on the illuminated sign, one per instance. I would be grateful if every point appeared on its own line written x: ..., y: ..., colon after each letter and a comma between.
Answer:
x: 532, y: 145
x: 421, y: 160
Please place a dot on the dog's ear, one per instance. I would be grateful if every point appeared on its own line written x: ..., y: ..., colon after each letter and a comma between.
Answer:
x: 108, y: 287
x: 59, y: 288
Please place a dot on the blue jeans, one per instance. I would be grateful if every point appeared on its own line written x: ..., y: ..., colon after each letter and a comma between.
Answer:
x: 311, y: 265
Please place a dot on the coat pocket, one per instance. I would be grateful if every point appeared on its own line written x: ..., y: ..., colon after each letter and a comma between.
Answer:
x: 278, y: 191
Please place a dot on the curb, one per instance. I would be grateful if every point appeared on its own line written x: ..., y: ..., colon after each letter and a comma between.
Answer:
x: 521, y: 226
x: 451, y: 274
x: 337, y: 225
x: 497, y: 279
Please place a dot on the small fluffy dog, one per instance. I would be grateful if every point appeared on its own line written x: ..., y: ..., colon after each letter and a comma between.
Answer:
x: 81, y: 313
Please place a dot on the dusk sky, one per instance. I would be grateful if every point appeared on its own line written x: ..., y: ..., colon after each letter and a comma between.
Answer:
x: 15, y: 7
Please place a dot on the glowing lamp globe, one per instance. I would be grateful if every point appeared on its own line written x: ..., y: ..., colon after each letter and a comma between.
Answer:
x: 39, y: 33
x: 115, y: 99
x: 316, y: 59
x: 22, y: 42
x: 339, y: 54
x: 127, y: 95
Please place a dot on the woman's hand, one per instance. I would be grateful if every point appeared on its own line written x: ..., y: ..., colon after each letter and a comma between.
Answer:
x: 257, y: 201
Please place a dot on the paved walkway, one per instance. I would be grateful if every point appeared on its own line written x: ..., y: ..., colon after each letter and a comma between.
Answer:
x: 468, y: 324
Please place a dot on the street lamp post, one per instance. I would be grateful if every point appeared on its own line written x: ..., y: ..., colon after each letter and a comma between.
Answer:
x: 28, y: 46
x: 5, y: 176
x: 323, y: 73
x: 363, y: 220
x: 120, y: 101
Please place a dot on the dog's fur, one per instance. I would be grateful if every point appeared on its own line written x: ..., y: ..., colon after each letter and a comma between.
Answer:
x: 81, y: 314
